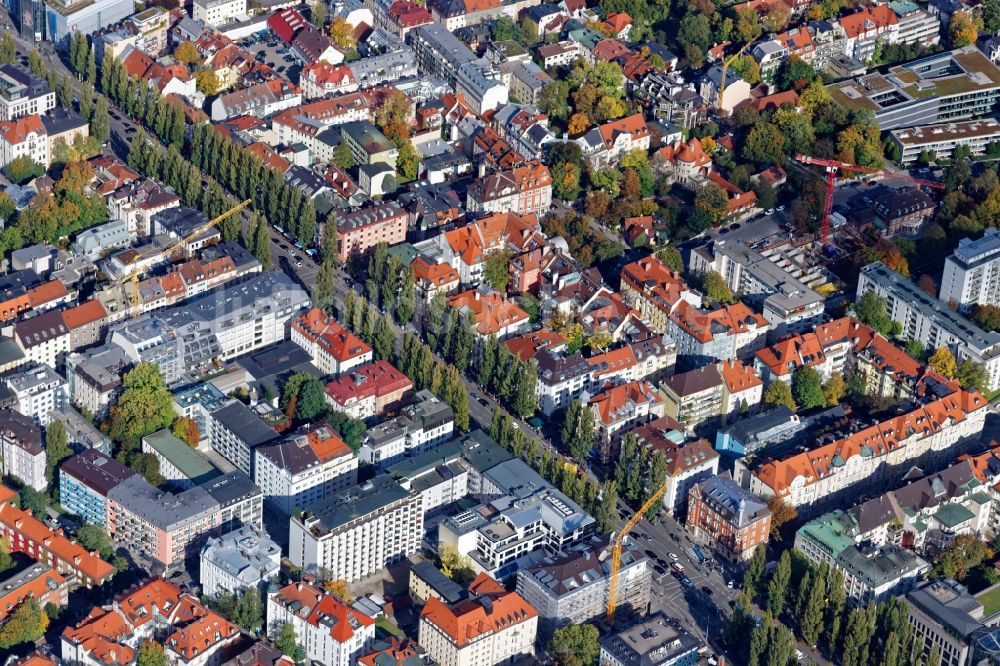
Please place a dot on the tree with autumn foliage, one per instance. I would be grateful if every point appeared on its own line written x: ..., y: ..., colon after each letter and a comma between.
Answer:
x: 339, y: 589
x: 578, y: 124
x: 962, y: 29
x: 781, y: 514
x: 187, y: 431
x: 342, y: 34
x: 943, y: 361
x: 187, y: 53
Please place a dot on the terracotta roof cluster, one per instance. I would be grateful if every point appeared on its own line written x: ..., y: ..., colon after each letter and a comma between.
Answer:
x: 705, y: 326
x: 320, y: 609
x: 490, y: 610
x: 325, y: 331
x: 196, y: 629
x: 494, y: 232
x: 269, y: 156
x: 651, y: 276
x: 435, y: 275
x: 619, y: 403
x: 510, y: 181
x: 70, y: 555
x: 408, y: 14
x: 492, y: 311
x: 141, y: 66
x: 666, y: 434
x: 35, y: 582
x: 323, y: 74
x: 737, y: 199
x: 689, y: 152
x: 867, y: 19
x: 877, y: 440
x: 47, y: 292
x: 373, y: 380
x: 527, y: 345
x: 110, y: 174
x: 738, y: 376
x: 614, y: 362
x: 609, y: 49
x: 494, y: 148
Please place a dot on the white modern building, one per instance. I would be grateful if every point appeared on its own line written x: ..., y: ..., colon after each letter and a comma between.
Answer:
x: 422, y: 425
x: 358, y: 532
x: 219, y: 12
x: 23, y: 94
x: 246, y: 558
x: 38, y: 389
x: 23, y: 455
x: 944, y: 138
x: 236, y: 431
x: 305, y: 467
x: 972, y: 273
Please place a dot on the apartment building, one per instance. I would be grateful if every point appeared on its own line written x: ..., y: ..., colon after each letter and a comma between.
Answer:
x: 524, y: 190
x: 930, y: 320
x: 573, y: 589
x: 656, y: 639
x: 972, y: 272
x: 369, y: 390
x: 37, y: 540
x: 320, y: 79
x: 236, y: 431
x: 493, y: 626
x: 334, y: 349
x: 788, y: 305
x: 695, y: 397
x: 305, y: 467
x: 25, y: 137
x: 689, y: 459
x: 618, y: 409
x: 38, y: 389
x: 493, y: 313
x: 22, y: 448
x: 604, y: 145
x: 43, y: 339
x: 420, y: 427
x: 944, y: 138
x: 168, y: 528
x: 733, y: 520
x: 189, y: 632
x: 39, y: 581
x: 94, y: 377
x: 945, y: 615
x: 358, y: 232
x: 331, y: 632
x: 197, y: 402
x: 23, y: 94
x: 85, y: 481
x: 359, y: 531
x: 862, y: 544
x: 952, y: 85
x: 655, y: 290
x: 849, y: 464
x: 181, y: 465
x: 246, y: 558
x: 727, y: 333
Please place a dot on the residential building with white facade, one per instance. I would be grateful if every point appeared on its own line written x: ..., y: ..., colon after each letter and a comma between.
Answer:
x: 419, y: 427
x: 332, y: 633
x: 218, y: 12
x: 246, y: 558
x: 333, y: 348
x: 359, y: 531
x: 24, y: 137
x: 21, y: 446
x: 943, y: 139
x: 305, y: 467
x: 972, y: 272
x: 930, y: 320
x: 23, y: 94
x: 38, y: 389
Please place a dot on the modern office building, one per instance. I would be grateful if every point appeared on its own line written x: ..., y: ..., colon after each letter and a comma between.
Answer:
x: 655, y: 641
x: 359, y: 531
x: 219, y: 12
x: 63, y: 17
x: 930, y: 320
x: 421, y: 426
x: 944, y: 614
x: 85, y: 481
x: 972, y: 273
x: 952, y: 85
x: 236, y: 431
x: 942, y: 139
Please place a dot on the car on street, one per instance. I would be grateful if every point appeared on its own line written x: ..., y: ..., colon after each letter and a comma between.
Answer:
x: 769, y: 211
x: 673, y: 556
x: 686, y: 582
x: 707, y: 590
x: 658, y: 569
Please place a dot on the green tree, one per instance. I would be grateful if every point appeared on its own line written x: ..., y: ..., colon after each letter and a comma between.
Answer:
x: 965, y: 552
x: 834, y: 610
x: 811, y: 619
x: 22, y: 169
x: 8, y: 50
x: 695, y: 30
x: 288, y: 643
x: 6, y: 561
x: 32, y: 500
x: 765, y: 145
x: 496, y: 271
x: 95, y: 538
x: 716, y: 289
x: 248, y: 611
x: 671, y: 256
x: 973, y: 375
x: 100, y: 124
x: 144, y: 406
x: 606, y: 514
x: 26, y: 624
x: 383, y: 338
x: 871, y: 309
x: 777, y: 588
x: 754, y: 574
x: 713, y: 201
x: 795, y: 73
x: 807, y: 388
x: 575, y: 645
x: 578, y: 430
x: 151, y: 654
x: 56, y: 449
x: 779, y: 393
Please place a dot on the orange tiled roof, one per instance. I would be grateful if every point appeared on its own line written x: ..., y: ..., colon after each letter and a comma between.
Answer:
x: 201, y: 635
x: 46, y: 293
x: 878, y: 17
x: 17, y: 131
x: 739, y: 376
x: 786, y: 356
x: 436, y: 274
x: 650, y: 275
x: 609, y: 49
x: 317, y: 607
x: 704, y: 326
x: 634, y: 125
x: 83, y: 314
x: 73, y: 554
x: 527, y: 345
x: 612, y: 362
x: 269, y: 156
x: 491, y: 311
x: 618, y: 21
x: 325, y: 331
x: 470, y: 619
x: 37, y: 587
x: 374, y: 379
x: 477, y: 239
x: 615, y: 403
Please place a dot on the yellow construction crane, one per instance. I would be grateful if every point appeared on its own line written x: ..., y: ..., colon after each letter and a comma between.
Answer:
x: 725, y: 68
x: 616, y: 549
x: 136, y: 273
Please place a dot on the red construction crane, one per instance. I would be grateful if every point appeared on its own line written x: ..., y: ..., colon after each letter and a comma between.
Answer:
x: 831, y: 167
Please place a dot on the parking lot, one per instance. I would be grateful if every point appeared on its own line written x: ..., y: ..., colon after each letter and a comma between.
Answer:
x: 274, y: 53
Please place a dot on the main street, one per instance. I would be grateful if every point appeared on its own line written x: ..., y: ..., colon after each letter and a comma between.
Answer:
x: 700, y: 607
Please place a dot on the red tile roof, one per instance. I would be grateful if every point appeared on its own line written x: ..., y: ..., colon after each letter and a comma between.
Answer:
x: 83, y: 314
x: 492, y: 311
x: 634, y: 125
x: 470, y: 619
x: 16, y: 131
x: 616, y: 403
x: 325, y: 331
x: 375, y: 379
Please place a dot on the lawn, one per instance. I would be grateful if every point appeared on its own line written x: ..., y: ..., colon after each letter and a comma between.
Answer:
x: 388, y: 626
x: 990, y: 601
